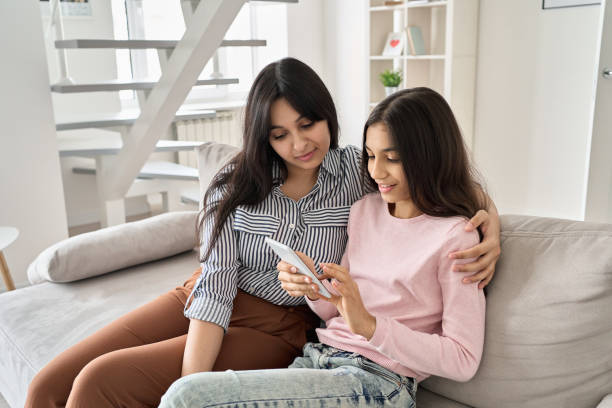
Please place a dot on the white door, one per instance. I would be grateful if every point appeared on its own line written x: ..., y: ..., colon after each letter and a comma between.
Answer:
x: 598, y: 203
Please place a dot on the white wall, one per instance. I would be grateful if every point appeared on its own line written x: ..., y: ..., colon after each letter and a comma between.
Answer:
x: 306, y: 34
x: 346, y: 64
x: 86, y: 66
x: 534, y: 88
x: 30, y: 180
x: 329, y: 35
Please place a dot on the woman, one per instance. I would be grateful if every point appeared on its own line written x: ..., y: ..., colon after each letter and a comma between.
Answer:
x: 398, y: 313
x: 291, y: 182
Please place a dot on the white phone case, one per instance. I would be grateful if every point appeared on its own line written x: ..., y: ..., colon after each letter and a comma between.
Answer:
x: 288, y: 255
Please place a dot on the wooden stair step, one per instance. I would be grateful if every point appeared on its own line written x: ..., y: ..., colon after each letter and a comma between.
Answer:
x: 81, y: 43
x: 101, y: 145
x: 153, y: 170
x: 121, y: 85
x: 191, y: 196
x: 125, y: 118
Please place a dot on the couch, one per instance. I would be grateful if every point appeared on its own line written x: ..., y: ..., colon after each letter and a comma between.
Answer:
x: 548, y: 340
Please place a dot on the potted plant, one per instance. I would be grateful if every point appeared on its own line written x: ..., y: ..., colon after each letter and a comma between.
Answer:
x: 391, y: 80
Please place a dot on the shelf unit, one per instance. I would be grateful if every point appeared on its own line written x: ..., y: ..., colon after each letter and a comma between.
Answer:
x: 449, y: 29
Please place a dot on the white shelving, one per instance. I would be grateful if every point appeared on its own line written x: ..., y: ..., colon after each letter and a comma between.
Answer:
x: 409, y: 4
x: 407, y: 57
x: 449, y: 29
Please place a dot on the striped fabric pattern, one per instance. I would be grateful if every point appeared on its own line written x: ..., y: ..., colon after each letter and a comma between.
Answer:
x: 315, y: 225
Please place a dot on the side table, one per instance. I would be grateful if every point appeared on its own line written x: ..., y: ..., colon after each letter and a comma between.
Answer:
x: 7, y: 236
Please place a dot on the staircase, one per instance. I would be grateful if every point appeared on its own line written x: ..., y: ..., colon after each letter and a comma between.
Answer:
x: 121, y: 167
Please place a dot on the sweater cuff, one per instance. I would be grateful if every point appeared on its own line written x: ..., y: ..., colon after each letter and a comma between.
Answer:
x: 209, y: 310
x: 380, y: 334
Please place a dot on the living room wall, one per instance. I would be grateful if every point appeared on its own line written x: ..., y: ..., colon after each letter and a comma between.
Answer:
x: 31, y: 194
x: 534, y: 90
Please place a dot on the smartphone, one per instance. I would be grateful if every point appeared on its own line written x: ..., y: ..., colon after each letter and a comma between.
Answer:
x: 288, y: 255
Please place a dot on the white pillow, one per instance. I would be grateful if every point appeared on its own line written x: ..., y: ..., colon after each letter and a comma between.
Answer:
x: 109, y: 249
x: 606, y: 402
x: 211, y: 158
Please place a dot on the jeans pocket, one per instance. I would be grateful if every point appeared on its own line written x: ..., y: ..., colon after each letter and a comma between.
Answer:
x: 393, y: 380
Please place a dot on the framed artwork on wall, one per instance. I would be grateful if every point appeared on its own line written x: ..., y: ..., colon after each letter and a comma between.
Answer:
x: 549, y: 4
x: 394, y: 46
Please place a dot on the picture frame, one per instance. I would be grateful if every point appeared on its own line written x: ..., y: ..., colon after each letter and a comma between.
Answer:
x: 551, y: 4
x: 394, y: 45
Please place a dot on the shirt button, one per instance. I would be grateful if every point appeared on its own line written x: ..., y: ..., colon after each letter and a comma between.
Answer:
x: 291, y: 226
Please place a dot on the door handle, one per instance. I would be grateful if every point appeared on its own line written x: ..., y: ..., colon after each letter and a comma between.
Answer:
x: 607, y: 73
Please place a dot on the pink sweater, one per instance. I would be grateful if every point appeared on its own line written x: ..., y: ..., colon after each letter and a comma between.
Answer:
x: 427, y: 321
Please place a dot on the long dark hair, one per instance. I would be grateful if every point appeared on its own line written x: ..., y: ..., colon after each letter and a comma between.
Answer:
x: 247, y: 179
x: 441, y: 181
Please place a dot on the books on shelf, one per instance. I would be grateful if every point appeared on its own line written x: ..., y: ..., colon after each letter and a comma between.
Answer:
x: 394, y: 46
x: 415, y: 45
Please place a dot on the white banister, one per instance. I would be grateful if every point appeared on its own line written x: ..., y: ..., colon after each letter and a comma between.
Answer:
x: 188, y: 7
x: 55, y: 19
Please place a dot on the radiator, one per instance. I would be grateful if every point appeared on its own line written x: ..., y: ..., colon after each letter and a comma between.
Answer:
x: 224, y: 128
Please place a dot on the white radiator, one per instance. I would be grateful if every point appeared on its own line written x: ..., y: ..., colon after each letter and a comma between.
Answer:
x: 224, y: 128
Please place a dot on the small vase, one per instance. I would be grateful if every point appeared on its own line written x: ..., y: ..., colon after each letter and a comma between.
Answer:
x: 390, y: 89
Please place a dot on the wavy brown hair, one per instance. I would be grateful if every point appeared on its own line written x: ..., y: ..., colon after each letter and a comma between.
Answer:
x: 441, y: 180
x: 247, y: 178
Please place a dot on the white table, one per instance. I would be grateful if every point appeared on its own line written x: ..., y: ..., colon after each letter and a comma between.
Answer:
x: 7, y: 236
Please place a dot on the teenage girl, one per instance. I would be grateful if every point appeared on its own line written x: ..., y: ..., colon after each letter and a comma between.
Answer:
x: 399, y: 312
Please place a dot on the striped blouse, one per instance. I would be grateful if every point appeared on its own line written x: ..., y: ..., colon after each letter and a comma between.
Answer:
x: 315, y: 225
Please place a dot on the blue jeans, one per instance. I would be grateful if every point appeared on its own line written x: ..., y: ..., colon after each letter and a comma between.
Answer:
x: 324, y: 377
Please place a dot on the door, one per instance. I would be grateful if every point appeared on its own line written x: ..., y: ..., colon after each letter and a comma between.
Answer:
x: 598, y: 202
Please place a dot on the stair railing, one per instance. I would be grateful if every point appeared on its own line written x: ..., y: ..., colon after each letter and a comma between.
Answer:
x: 55, y: 20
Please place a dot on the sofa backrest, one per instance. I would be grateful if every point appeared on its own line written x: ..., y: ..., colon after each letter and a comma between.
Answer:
x: 211, y: 158
x: 548, y: 339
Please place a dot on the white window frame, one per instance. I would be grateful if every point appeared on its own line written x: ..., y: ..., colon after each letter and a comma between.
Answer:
x: 199, y: 95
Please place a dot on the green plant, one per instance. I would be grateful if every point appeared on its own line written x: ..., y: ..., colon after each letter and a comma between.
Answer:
x: 391, y: 78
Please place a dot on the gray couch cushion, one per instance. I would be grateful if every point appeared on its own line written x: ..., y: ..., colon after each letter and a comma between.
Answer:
x: 548, y: 340
x: 40, y: 321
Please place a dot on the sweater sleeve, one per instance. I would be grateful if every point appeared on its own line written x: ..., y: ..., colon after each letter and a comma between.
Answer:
x: 323, y: 308
x: 455, y: 352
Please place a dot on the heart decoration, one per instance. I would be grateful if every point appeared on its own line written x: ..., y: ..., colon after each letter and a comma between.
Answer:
x: 394, y: 43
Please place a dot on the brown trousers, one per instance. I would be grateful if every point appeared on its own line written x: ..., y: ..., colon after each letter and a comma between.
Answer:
x: 132, y: 361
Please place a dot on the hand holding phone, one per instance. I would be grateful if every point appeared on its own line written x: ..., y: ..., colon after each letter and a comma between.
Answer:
x: 288, y: 255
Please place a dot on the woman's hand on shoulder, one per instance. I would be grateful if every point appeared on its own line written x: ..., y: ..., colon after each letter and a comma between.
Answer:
x: 486, y: 253
x: 294, y: 283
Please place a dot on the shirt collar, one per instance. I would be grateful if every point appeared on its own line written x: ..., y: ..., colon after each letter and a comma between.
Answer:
x: 276, y: 174
x: 330, y: 164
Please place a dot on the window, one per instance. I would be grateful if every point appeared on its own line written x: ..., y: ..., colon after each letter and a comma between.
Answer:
x: 163, y: 20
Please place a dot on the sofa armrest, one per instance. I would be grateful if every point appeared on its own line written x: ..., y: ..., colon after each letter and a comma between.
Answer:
x: 121, y: 246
